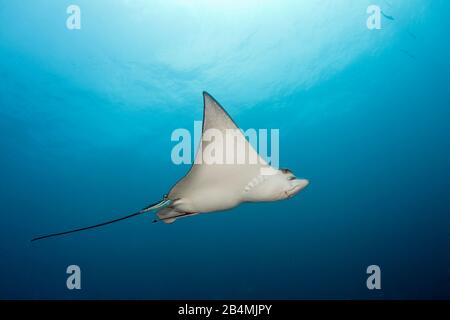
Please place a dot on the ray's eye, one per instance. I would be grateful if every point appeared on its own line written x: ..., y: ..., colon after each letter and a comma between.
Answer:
x: 286, y: 171
x: 291, y: 178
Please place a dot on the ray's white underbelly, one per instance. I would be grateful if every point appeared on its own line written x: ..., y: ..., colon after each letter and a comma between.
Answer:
x: 209, y: 200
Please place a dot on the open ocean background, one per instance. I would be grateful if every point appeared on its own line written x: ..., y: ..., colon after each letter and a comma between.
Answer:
x: 86, y: 118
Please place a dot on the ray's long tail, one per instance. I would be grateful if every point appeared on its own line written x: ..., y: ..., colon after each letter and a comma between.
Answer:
x: 153, y: 206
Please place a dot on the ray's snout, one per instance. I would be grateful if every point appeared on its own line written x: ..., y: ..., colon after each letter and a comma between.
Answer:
x: 297, y: 185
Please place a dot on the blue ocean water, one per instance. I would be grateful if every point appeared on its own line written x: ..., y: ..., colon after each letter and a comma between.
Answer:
x: 86, y: 118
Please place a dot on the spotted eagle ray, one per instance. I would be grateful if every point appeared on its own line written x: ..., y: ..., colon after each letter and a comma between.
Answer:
x: 210, y: 185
